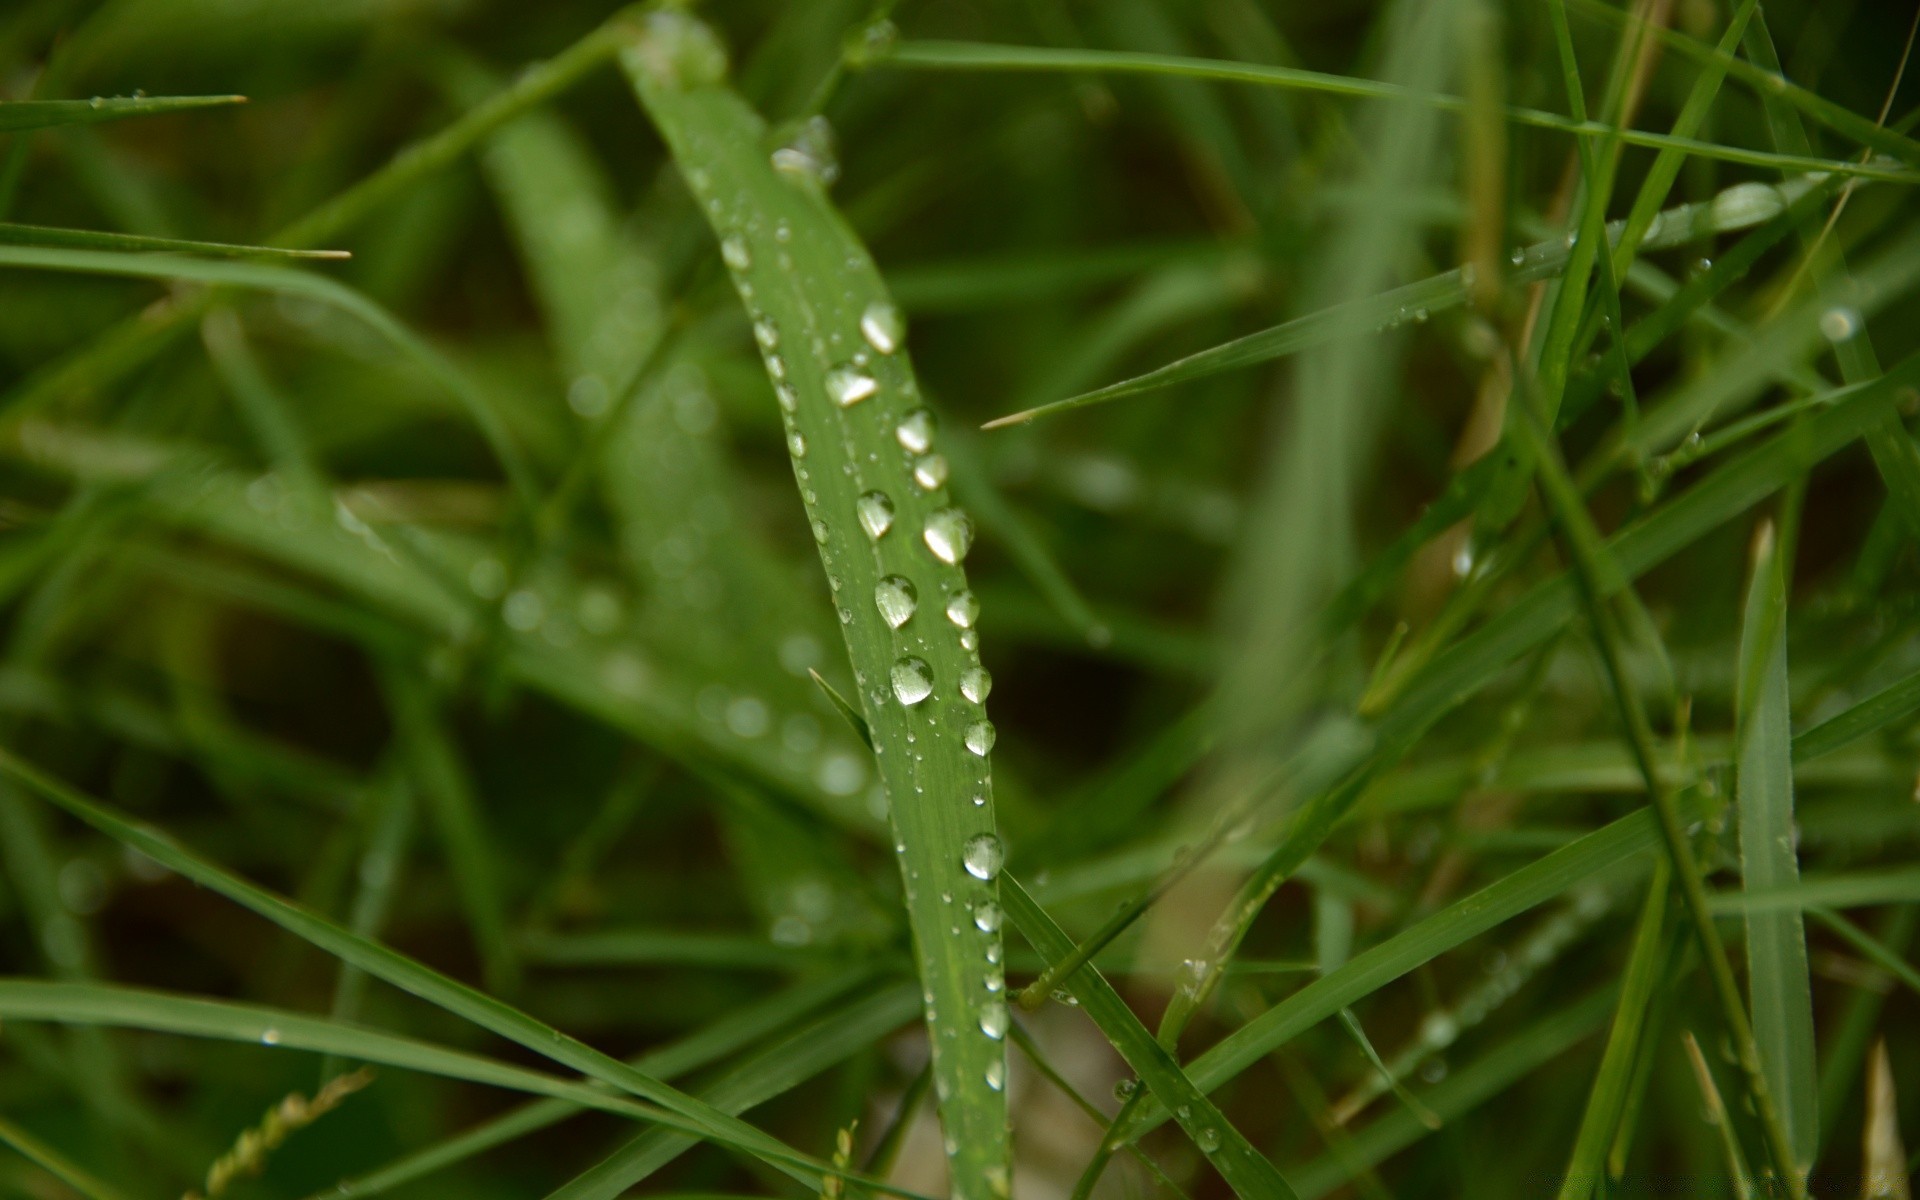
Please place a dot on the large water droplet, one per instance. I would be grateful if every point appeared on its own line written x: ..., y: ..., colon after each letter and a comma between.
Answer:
x: 896, y: 599
x: 849, y: 385
x: 876, y: 513
x: 1840, y: 323
x: 882, y: 326
x: 993, y: 1019
x: 982, y: 856
x: 962, y: 609
x: 912, y: 680
x: 975, y: 683
x: 1208, y: 1139
x: 949, y: 534
x: 733, y: 250
x: 915, y: 431
x: 996, y: 1075
x: 930, y: 471
x: 796, y: 445
x: 987, y: 916
x: 980, y: 737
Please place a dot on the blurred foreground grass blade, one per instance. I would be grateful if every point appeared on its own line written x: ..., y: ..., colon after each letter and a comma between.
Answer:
x: 18, y: 115
x: 1777, y: 978
x: 409, y: 975
x: 864, y: 453
x: 288, y: 282
x: 1895, y: 702
x: 1244, y: 1168
x: 56, y: 1164
x: 13, y: 234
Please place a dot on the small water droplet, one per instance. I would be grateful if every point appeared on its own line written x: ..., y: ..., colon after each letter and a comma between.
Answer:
x: 980, y: 737
x: 820, y: 531
x: 876, y: 513
x: 789, y: 399
x: 809, y: 153
x: 1126, y: 1089
x: 882, y: 326
x: 766, y: 333
x: 982, y: 856
x: 912, y: 680
x: 796, y: 445
x: 270, y: 1037
x: 962, y: 609
x: 1208, y: 1139
x: 849, y: 385
x: 975, y: 683
x: 1840, y: 323
x: 930, y: 471
x: 915, y: 431
x: 949, y: 534
x: 734, y: 252
x: 987, y: 916
x: 979, y: 801
x: 1517, y: 257
x: 996, y: 1075
x: 896, y: 598
x: 993, y: 1019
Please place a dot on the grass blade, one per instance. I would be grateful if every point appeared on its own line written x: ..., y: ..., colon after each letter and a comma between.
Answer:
x: 863, y: 455
x: 19, y: 115
x: 13, y: 234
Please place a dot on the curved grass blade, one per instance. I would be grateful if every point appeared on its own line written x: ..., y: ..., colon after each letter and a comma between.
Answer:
x: 14, y: 234
x: 1244, y: 1168
x: 18, y: 115
x: 976, y: 56
x: 1778, y: 983
x: 406, y: 973
x: 1740, y: 207
x: 872, y: 480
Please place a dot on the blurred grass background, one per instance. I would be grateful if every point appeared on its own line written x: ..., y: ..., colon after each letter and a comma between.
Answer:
x: 266, y: 583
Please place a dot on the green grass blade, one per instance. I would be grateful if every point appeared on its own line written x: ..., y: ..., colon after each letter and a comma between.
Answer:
x: 56, y: 1164
x: 13, y: 234
x: 19, y: 115
x: 1882, y: 955
x: 399, y: 970
x: 1777, y: 977
x: 1893, y: 703
x: 1243, y: 1167
x: 972, y: 56
x: 856, y: 427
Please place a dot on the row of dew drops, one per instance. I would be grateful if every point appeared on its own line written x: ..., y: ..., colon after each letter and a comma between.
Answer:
x: 947, y: 533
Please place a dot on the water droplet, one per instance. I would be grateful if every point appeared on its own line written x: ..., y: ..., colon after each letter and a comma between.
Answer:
x: 766, y: 333
x: 876, y: 513
x: 1208, y: 1140
x: 980, y: 737
x: 1439, y: 1029
x: 882, y: 326
x: 896, y: 599
x: 819, y: 531
x: 996, y: 1075
x: 1840, y: 323
x: 1463, y: 559
x: 962, y: 609
x: 1517, y: 257
x: 680, y: 51
x: 789, y: 399
x: 987, y: 916
x: 915, y: 431
x: 912, y: 680
x: 270, y: 1037
x: 849, y: 385
x: 796, y: 445
x: 931, y: 471
x: 734, y: 252
x: 949, y: 534
x: 1746, y: 204
x: 975, y: 683
x: 809, y: 153
x: 982, y: 856
x: 1125, y: 1090
x: 993, y: 1019
x: 979, y: 801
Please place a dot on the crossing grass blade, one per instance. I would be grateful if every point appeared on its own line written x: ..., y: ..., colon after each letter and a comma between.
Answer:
x: 1777, y: 978
x: 1246, y: 1171
x: 12, y: 233
x: 17, y: 116
x: 407, y: 974
x: 866, y: 459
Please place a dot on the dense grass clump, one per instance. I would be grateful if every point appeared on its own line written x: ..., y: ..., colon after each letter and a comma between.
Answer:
x: 1047, y: 599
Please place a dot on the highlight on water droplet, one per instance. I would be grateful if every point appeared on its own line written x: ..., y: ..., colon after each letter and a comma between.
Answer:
x: 949, y: 534
x: 915, y: 431
x: 930, y: 471
x: 1840, y: 323
x: 796, y: 445
x: 982, y: 856
x: 809, y: 153
x: 896, y: 598
x: 849, y: 385
x: 882, y: 326
x: 980, y: 737
x: 996, y: 1075
x: 912, y: 680
x: 876, y: 513
x: 734, y: 252
x: 975, y: 683
x: 963, y: 609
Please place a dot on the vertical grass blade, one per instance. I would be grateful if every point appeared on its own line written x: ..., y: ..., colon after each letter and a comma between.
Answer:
x: 864, y: 457
x: 1777, y: 982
